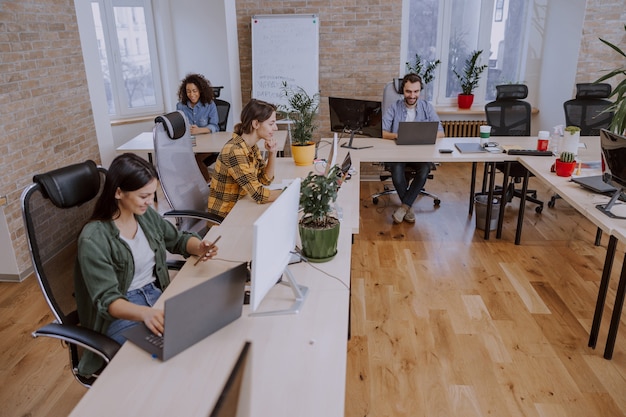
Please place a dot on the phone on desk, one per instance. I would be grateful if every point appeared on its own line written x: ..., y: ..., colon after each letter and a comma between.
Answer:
x: 445, y: 150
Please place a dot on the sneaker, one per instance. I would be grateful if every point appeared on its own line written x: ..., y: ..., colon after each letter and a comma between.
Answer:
x: 409, y: 216
x: 399, y: 214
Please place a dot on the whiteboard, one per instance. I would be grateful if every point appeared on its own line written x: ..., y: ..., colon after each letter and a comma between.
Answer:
x: 284, y: 48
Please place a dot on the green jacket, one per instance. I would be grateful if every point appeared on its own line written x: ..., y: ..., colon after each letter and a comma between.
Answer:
x: 105, y: 268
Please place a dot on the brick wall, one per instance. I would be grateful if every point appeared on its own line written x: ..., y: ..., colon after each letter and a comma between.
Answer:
x: 44, y: 101
x: 359, y: 45
x: 603, y: 19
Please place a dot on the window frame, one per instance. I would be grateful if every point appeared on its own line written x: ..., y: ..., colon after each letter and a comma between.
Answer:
x: 113, y: 47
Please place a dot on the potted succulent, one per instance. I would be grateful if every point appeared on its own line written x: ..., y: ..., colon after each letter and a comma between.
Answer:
x: 469, y: 78
x: 618, y: 124
x: 565, y: 164
x: 319, y: 226
x: 301, y: 108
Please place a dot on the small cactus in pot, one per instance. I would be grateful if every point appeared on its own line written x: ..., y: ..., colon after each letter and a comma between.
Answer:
x: 565, y: 164
x: 567, y: 157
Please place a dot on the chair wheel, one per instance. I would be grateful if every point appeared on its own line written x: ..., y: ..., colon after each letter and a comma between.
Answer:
x: 538, y: 209
x: 375, y: 200
x: 551, y: 203
x: 437, y: 202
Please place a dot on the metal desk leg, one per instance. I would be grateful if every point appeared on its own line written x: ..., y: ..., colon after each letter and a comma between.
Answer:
x: 472, y: 192
x: 522, y: 206
x: 604, y: 286
x: 598, y: 240
x: 492, y: 181
x: 503, y: 200
x: 617, y: 313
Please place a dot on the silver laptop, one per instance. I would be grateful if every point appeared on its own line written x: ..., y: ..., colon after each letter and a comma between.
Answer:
x: 194, y: 314
x: 595, y: 184
x: 417, y: 133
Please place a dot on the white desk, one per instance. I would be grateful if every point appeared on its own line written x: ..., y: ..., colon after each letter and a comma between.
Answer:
x: 298, y: 361
x: 207, y: 143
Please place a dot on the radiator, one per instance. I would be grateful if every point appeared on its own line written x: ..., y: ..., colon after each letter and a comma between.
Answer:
x: 462, y: 128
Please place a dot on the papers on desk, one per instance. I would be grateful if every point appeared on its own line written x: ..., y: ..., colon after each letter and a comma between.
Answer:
x: 280, y: 185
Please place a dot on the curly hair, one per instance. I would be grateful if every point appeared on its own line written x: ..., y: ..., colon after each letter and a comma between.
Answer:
x: 204, y: 86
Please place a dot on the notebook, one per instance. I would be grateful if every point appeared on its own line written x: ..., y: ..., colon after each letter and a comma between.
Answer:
x: 194, y: 314
x: 470, y: 147
x: 417, y: 133
x: 228, y: 401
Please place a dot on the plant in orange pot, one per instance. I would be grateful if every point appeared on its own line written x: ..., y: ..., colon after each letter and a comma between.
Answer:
x: 469, y: 78
x: 302, y: 110
x: 565, y: 164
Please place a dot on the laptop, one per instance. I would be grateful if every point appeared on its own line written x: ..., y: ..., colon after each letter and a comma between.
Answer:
x: 595, y: 184
x: 228, y: 401
x: 417, y: 133
x: 470, y: 147
x: 194, y: 314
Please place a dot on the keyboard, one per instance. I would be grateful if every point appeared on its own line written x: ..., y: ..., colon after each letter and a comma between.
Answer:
x: 531, y: 152
x: 155, y: 340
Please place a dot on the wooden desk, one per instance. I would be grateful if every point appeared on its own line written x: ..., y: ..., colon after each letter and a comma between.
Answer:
x: 207, y: 143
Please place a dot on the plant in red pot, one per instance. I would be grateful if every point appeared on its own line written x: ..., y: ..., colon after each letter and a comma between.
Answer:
x: 469, y: 78
x: 565, y: 164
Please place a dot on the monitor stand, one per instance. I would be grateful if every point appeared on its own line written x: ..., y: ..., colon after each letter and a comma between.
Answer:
x: 349, y: 144
x: 299, y: 292
x: 606, y: 208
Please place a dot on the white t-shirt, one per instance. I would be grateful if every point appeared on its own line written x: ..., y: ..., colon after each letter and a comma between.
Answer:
x: 144, y: 259
x: 411, y: 112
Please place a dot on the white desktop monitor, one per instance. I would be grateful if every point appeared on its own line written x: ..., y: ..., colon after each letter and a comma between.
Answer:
x: 274, y: 239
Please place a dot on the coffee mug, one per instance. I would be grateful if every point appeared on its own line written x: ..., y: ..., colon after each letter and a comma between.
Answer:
x: 485, y: 132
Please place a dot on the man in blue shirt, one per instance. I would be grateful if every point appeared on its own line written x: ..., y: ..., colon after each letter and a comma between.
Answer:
x: 408, y: 109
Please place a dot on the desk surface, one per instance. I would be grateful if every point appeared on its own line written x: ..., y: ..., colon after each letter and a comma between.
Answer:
x: 209, y: 142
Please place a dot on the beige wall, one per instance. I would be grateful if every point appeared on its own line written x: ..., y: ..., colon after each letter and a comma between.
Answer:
x: 46, y: 114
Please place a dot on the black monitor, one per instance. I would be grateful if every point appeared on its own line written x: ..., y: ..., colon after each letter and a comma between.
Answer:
x: 614, y: 168
x: 362, y: 117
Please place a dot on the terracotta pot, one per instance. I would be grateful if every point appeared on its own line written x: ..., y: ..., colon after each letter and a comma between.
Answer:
x: 564, y: 169
x: 303, y: 155
x: 465, y: 101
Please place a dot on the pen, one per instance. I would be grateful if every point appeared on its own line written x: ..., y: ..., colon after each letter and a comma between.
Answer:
x: 208, y: 249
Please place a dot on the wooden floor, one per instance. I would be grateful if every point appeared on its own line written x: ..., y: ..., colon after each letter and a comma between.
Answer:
x: 443, y: 322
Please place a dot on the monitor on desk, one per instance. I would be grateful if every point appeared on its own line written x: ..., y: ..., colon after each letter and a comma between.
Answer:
x: 361, y: 117
x: 614, y: 168
x: 274, y: 236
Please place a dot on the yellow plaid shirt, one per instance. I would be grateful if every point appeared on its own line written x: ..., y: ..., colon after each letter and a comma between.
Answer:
x: 239, y: 170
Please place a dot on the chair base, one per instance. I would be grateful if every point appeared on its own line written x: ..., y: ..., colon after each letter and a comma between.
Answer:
x: 388, y: 190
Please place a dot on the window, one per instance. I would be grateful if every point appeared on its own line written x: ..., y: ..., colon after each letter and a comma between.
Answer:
x: 126, y: 38
x: 449, y: 30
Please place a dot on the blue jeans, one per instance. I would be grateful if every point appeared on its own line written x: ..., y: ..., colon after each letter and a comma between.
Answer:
x: 144, y: 296
x: 409, y: 189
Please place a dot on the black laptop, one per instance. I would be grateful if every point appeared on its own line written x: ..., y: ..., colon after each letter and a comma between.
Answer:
x: 194, y: 314
x: 595, y: 184
x: 228, y: 401
x: 417, y: 133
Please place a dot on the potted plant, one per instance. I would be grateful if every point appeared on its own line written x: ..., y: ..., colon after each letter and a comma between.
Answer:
x: 319, y: 227
x: 565, y: 164
x: 302, y: 110
x: 425, y: 69
x: 469, y: 78
x: 618, y: 124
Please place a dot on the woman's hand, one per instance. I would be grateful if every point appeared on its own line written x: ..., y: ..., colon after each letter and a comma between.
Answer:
x: 154, y: 320
x: 206, y: 251
x: 270, y: 144
x: 195, y: 130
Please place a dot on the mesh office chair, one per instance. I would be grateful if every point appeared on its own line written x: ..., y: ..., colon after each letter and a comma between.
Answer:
x: 182, y: 183
x: 587, y: 110
x: 509, y: 115
x: 392, y: 92
x: 223, y: 108
x: 55, y: 208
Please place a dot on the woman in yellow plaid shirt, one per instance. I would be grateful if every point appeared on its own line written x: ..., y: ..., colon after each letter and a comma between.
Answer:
x: 240, y: 169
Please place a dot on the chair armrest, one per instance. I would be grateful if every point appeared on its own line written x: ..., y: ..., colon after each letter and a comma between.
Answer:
x: 94, y: 341
x: 200, y: 215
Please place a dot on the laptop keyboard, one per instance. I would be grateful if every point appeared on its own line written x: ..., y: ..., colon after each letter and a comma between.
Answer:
x: 155, y: 340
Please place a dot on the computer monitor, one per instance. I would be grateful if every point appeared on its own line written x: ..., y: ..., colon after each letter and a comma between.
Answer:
x: 613, y: 148
x: 274, y: 236
x: 362, y: 117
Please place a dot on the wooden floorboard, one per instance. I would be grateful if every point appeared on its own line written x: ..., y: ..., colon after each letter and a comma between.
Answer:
x: 444, y: 323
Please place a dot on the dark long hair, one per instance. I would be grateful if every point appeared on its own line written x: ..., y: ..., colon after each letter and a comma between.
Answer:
x: 255, y: 110
x: 128, y: 172
x: 204, y: 86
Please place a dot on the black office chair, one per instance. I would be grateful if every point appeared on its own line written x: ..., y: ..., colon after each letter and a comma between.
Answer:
x: 223, y: 108
x: 588, y: 109
x: 55, y: 208
x: 392, y: 92
x: 509, y: 115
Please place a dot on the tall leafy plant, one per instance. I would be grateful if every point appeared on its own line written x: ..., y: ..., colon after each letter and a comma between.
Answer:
x: 425, y: 69
x: 471, y: 72
x: 618, y: 124
x: 302, y: 109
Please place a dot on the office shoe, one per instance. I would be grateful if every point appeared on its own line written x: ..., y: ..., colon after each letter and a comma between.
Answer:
x: 409, y: 216
x: 399, y: 214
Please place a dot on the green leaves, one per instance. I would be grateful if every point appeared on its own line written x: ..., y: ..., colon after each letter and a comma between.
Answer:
x: 302, y: 109
x: 618, y: 124
x: 424, y: 69
x: 317, y: 193
x: 471, y: 73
